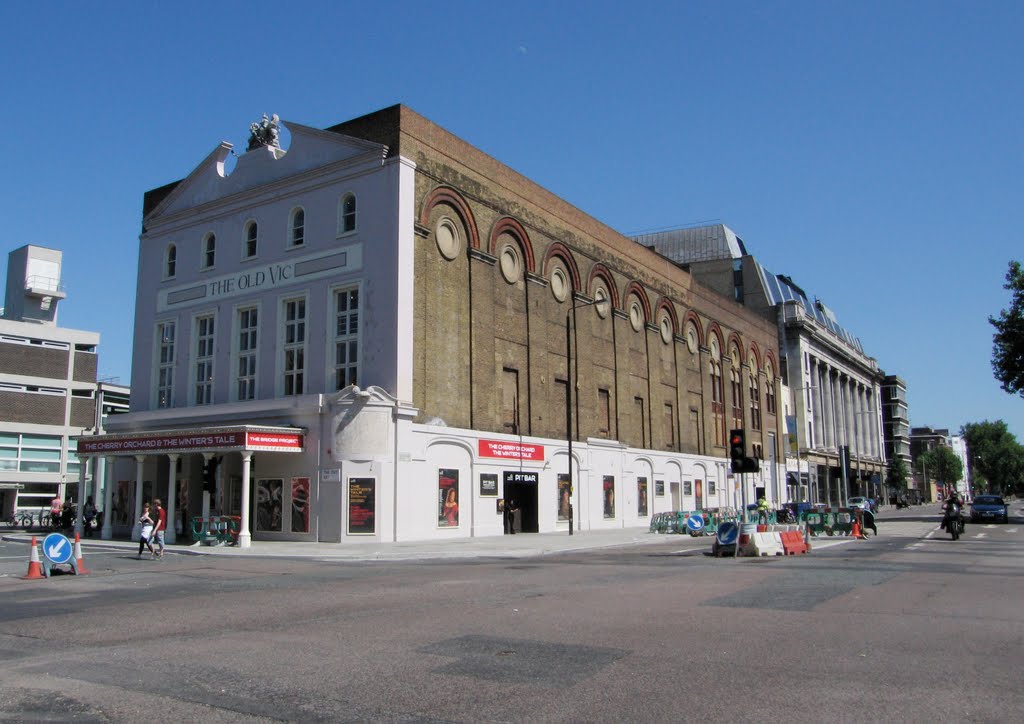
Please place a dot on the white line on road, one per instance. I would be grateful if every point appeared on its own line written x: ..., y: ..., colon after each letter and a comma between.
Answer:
x: 981, y: 535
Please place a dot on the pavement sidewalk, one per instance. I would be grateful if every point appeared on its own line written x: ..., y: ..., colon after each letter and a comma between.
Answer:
x: 523, y: 545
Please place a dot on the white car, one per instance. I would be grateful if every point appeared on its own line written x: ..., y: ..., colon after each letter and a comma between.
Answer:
x: 859, y: 502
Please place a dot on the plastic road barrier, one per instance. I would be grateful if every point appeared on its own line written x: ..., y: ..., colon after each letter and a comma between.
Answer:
x: 768, y: 544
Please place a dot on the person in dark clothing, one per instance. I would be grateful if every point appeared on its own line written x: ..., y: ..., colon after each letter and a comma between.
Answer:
x: 869, y: 521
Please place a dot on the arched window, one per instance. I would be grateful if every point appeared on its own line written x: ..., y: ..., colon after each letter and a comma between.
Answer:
x: 347, y: 214
x: 209, y: 250
x: 769, y: 390
x: 297, y: 228
x: 717, y: 394
x: 171, y: 262
x: 252, y: 237
x: 736, y: 394
x: 755, y: 402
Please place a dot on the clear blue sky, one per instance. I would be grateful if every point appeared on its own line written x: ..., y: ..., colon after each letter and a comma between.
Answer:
x: 870, y: 150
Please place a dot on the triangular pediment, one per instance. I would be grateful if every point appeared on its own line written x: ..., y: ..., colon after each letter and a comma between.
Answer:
x: 310, y: 149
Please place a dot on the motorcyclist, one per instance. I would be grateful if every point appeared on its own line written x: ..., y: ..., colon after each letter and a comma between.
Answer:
x: 953, y: 507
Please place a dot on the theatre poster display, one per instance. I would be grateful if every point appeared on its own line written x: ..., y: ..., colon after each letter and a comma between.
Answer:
x: 268, y: 504
x: 564, y: 496
x: 659, y: 488
x: 362, y: 498
x: 609, y: 496
x: 447, y: 498
x: 641, y: 496
x: 300, y: 505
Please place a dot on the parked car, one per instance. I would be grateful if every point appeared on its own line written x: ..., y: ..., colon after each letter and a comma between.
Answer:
x: 989, y: 507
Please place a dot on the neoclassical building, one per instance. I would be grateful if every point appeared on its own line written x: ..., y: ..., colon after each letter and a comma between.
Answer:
x: 380, y: 332
x: 837, y: 444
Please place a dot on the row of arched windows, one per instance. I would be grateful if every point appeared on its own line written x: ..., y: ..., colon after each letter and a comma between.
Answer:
x: 296, y: 235
x: 510, y: 245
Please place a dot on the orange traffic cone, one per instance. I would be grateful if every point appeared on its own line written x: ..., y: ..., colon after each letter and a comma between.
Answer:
x: 855, y: 530
x: 80, y: 568
x: 35, y: 568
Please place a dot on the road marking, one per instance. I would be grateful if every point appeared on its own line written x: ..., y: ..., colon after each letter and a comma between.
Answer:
x: 981, y: 535
x: 1011, y: 530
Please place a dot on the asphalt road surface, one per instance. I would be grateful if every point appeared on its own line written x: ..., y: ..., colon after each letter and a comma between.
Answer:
x: 906, y: 626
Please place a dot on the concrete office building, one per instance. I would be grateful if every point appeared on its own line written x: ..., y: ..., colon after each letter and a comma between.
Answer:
x: 382, y: 333
x: 839, y: 450
x: 47, y: 386
x: 896, y: 429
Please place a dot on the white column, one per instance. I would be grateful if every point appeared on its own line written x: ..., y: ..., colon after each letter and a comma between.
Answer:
x: 830, y: 409
x: 108, y: 500
x: 140, y: 461
x: 244, y: 537
x: 816, y: 411
x: 172, y: 497
x: 83, y: 493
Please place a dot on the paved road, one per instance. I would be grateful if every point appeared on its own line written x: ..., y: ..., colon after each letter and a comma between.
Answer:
x: 906, y: 626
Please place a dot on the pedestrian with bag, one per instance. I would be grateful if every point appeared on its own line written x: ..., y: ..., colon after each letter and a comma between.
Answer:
x: 145, y: 532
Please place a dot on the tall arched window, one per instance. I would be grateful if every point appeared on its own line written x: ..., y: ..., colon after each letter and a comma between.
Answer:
x: 171, y: 262
x: 297, y: 228
x: 347, y: 214
x: 209, y: 250
x: 755, y: 402
x: 769, y: 390
x: 252, y: 236
x: 717, y: 395
x: 736, y: 391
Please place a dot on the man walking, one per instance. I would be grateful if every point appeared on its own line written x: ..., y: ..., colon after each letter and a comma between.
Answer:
x: 160, y: 520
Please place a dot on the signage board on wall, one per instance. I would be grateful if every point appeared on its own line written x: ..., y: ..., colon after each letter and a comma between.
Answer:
x: 507, y: 450
x: 519, y: 476
x: 270, y: 441
x: 488, y: 484
x: 362, y: 500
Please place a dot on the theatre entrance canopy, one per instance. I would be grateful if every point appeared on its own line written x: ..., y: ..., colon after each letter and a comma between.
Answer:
x: 238, y: 438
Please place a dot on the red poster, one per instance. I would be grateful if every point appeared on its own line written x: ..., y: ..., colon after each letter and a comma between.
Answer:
x: 300, y: 505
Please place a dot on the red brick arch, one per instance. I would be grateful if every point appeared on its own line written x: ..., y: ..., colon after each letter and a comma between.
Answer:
x: 558, y: 250
x: 508, y: 225
x: 600, y: 271
x: 634, y: 287
x: 450, y: 197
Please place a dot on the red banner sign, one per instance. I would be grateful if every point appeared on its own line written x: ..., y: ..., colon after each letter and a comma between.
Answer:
x: 184, y: 441
x: 510, y: 450
x: 227, y: 440
x: 275, y: 440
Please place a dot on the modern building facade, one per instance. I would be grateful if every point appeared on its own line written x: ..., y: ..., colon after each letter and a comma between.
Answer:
x: 383, y: 333
x: 896, y: 426
x: 47, y: 385
x: 839, y: 449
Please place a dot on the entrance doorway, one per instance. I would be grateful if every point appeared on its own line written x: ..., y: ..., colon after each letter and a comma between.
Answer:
x: 521, y: 500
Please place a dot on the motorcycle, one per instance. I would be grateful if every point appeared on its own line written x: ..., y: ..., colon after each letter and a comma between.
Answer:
x: 953, y: 521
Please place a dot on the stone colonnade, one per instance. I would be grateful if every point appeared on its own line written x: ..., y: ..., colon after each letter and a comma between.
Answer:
x: 844, y: 411
x: 107, y: 472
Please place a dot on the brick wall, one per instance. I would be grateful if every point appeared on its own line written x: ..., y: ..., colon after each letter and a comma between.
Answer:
x: 25, y: 407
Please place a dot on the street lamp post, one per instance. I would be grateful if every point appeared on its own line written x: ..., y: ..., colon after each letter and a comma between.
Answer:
x: 572, y: 378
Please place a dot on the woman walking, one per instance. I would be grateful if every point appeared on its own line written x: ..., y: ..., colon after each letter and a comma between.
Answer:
x: 147, y: 530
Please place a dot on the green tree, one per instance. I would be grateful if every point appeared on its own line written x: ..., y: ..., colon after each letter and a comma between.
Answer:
x: 943, y: 465
x: 897, y: 475
x: 1008, y: 341
x: 996, y: 457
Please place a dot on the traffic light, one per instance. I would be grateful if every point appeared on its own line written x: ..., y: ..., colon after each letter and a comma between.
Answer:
x: 738, y: 453
x: 738, y: 449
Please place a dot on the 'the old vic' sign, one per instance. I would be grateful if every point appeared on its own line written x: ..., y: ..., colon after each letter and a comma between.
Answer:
x: 254, y: 280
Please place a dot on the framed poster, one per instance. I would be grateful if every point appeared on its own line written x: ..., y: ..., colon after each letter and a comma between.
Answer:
x: 362, y: 501
x: 609, y: 496
x: 641, y: 497
x: 300, y: 505
x: 659, y: 488
x: 564, y: 496
x: 268, y: 504
x: 489, y: 485
x: 447, y: 498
